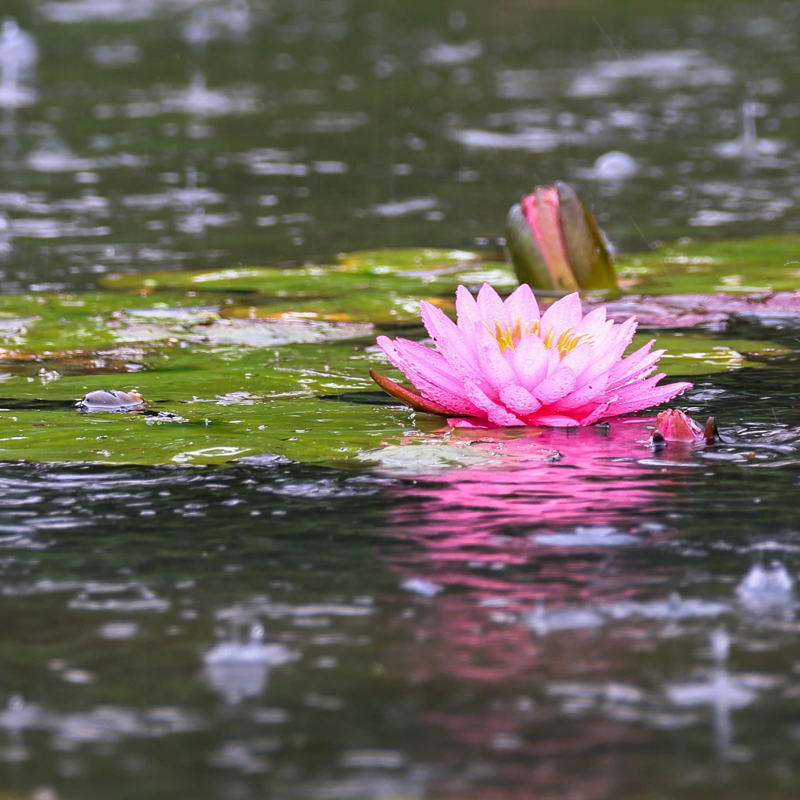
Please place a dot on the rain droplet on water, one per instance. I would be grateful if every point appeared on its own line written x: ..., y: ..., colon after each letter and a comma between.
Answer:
x: 766, y: 588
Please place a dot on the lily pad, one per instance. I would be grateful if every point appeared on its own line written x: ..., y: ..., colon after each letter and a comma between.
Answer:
x: 205, y: 406
x: 378, y: 272
x: 695, y: 353
x: 747, y: 266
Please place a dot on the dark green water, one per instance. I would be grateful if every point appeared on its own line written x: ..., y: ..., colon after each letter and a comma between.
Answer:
x: 616, y: 624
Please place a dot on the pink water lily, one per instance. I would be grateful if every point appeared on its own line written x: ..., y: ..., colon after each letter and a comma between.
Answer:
x: 503, y: 363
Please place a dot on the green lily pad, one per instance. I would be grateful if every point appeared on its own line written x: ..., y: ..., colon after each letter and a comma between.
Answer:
x: 694, y: 353
x: 378, y: 272
x: 205, y: 405
x: 751, y: 266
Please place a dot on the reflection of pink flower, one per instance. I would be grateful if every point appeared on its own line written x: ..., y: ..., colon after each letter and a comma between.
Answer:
x: 528, y: 529
x: 524, y: 549
x: 505, y: 364
x: 549, y: 483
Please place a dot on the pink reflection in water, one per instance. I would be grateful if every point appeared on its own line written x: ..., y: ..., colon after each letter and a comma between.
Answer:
x: 553, y: 492
x: 524, y: 533
x: 529, y: 532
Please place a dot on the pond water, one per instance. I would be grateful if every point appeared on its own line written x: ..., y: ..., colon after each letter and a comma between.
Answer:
x: 544, y: 614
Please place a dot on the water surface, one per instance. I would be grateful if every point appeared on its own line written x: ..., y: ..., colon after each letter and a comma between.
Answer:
x: 605, y: 622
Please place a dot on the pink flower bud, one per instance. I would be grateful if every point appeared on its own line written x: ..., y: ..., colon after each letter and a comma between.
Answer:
x: 674, y: 425
x: 554, y: 243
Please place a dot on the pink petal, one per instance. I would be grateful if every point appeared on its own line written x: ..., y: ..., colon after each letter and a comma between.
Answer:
x: 610, y: 351
x: 469, y: 422
x: 636, y: 366
x: 427, y: 370
x: 521, y: 305
x: 530, y: 361
x: 519, y: 400
x: 495, y: 412
x: 596, y: 415
x: 555, y: 387
x: 491, y: 308
x: 495, y: 369
x: 553, y: 420
x: 564, y: 313
x: 466, y: 310
x: 579, y: 359
x: 593, y: 324
x: 645, y: 394
x: 467, y: 316
x: 584, y: 395
x: 451, y: 342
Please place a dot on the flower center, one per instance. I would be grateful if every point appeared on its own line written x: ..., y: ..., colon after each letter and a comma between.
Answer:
x: 508, y: 336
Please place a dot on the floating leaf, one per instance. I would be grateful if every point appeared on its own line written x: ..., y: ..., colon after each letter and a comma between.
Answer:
x: 379, y: 272
x: 747, y: 266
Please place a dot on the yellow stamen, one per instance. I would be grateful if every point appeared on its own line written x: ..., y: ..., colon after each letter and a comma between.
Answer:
x: 567, y: 342
x: 510, y: 336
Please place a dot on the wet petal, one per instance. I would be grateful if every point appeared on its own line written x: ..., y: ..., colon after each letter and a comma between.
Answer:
x: 530, y: 361
x: 451, y: 342
x: 521, y: 305
x: 494, y: 411
x: 519, y: 400
x: 553, y: 420
x: 564, y: 313
x: 496, y: 370
x: 645, y: 394
x: 555, y: 386
x: 427, y: 370
x: 491, y: 308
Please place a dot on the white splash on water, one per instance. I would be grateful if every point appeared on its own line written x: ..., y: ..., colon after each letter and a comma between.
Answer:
x: 766, y: 588
x: 542, y: 621
x: 422, y: 586
x: 18, y: 57
x: 239, y: 669
x: 587, y: 536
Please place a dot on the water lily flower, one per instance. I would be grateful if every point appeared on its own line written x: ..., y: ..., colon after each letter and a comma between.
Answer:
x: 555, y: 243
x: 503, y: 363
x: 674, y: 425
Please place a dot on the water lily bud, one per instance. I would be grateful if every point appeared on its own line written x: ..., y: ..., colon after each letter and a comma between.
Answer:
x: 673, y: 425
x: 555, y: 243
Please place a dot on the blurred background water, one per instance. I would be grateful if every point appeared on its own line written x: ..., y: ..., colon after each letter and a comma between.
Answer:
x: 169, y: 133
x: 629, y: 631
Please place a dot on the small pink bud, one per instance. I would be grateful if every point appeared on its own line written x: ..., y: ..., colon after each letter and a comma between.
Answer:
x: 674, y: 425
